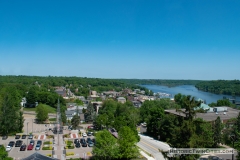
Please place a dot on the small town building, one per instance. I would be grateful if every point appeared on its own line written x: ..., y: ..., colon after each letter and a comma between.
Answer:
x: 121, y: 99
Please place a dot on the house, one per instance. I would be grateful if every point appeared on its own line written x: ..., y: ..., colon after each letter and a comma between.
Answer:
x: 61, y: 91
x: 121, y: 99
x: 137, y: 104
x: 71, y: 113
x: 111, y: 93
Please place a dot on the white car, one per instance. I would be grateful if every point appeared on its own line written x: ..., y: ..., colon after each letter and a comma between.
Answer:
x: 84, y: 135
x: 8, y: 148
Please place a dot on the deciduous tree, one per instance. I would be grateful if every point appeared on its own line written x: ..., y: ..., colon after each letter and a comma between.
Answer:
x: 127, y: 143
x: 106, y: 147
x: 41, y: 113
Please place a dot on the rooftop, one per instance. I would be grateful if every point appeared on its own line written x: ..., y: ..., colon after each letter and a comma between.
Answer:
x: 211, y: 116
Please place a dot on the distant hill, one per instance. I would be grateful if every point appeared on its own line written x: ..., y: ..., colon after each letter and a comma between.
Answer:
x: 164, y: 82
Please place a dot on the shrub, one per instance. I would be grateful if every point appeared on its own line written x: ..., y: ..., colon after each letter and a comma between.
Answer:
x: 49, y: 155
x: 66, y: 136
x: 70, y: 154
x: 69, y: 143
x: 47, y: 142
x: 47, y: 148
x: 50, y: 136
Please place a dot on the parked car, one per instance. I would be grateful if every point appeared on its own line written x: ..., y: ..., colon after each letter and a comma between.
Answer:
x: 18, y: 143
x: 32, y: 142
x: 39, y: 142
x: 17, y: 137
x: 89, y: 133
x: 24, y: 136
x: 11, y: 143
x: 30, y: 147
x: 82, y: 140
x: 90, y: 127
x: 8, y: 148
x: 84, y: 144
x: 30, y: 136
x: 76, y: 141
x: 89, y: 140
x: 144, y: 124
x: 4, y: 137
x: 84, y: 135
x: 23, y: 147
x: 90, y: 144
x: 78, y: 145
x: 38, y: 147
x: 94, y: 141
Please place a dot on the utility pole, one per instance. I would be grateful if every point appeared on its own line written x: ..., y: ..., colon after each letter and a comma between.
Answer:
x: 32, y: 125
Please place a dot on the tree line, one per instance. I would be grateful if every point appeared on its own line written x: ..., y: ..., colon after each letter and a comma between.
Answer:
x: 78, y: 85
x: 228, y: 87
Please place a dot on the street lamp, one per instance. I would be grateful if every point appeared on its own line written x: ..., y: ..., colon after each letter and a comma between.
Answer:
x: 159, y: 128
x: 27, y: 132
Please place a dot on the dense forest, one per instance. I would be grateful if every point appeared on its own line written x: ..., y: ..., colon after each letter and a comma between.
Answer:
x: 229, y: 87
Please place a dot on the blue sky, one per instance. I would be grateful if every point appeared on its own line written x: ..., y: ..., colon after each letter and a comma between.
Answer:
x: 162, y: 39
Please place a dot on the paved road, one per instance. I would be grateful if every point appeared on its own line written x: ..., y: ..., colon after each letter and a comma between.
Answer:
x: 152, y: 146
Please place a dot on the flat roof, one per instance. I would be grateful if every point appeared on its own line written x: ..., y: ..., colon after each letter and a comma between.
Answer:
x: 210, y: 116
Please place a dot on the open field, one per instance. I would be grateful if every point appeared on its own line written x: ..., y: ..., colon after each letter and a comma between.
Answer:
x: 49, y: 109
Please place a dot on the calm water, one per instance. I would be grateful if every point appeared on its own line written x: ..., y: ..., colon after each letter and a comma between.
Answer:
x: 188, y: 90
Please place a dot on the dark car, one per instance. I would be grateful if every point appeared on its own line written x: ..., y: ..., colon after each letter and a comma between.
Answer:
x: 39, y: 142
x: 11, y: 143
x: 18, y: 143
x: 17, y: 137
x: 4, y: 137
x: 90, y: 144
x: 82, y: 140
x: 84, y: 144
x: 76, y: 141
x: 89, y: 140
x: 23, y: 147
x: 78, y: 145
x: 93, y: 140
x: 89, y: 133
x: 24, y: 136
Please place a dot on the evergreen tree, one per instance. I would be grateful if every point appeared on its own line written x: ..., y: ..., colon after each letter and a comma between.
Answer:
x: 89, y: 115
x: 75, y: 121
x: 217, y: 132
x: 32, y: 96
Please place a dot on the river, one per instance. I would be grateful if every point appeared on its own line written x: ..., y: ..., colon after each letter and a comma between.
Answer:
x: 189, y: 90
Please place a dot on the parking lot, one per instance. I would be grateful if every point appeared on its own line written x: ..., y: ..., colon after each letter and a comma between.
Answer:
x: 39, y: 133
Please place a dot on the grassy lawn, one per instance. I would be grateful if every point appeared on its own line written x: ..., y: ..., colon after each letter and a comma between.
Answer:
x: 49, y: 109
